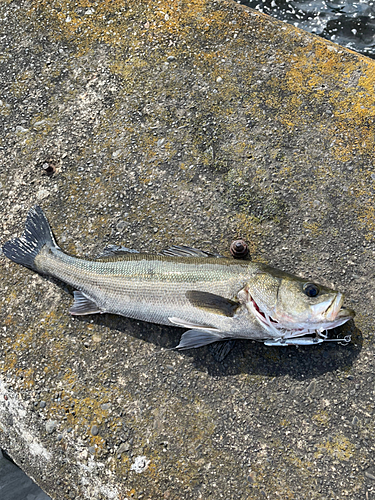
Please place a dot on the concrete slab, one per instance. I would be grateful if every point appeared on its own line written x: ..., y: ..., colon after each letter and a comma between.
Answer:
x: 150, y: 124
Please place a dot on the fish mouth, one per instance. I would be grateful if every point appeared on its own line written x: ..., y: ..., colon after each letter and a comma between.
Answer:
x: 333, y: 310
x: 327, y: 310
x: 342, y: 316
x: 337, y: 315
x: 345, y: 313
x: 332, y: 316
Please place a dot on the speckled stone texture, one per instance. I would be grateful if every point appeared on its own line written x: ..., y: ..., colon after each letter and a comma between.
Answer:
x: 149, y: 124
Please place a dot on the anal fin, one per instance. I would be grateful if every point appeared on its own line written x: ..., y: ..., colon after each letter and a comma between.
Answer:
x: 198, y: 338
x: 83, y: 305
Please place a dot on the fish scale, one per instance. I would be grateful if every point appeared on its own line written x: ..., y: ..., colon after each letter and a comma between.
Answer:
x: 216, y: 298
x: 148, y: 287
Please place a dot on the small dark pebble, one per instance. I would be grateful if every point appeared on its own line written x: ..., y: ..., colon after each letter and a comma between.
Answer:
x: 49, y: 167
x: 94, y: 430
x: 42, y: 404
x: 251, y: 477
x: 123, y: 448
x: 51, y: 426
x: 311, y: 388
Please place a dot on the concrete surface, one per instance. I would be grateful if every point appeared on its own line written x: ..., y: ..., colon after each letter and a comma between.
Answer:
x: 151, y: 124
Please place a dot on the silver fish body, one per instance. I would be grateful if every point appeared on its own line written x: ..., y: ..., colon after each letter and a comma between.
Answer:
x: 154, y: 288
x: 216, y: 298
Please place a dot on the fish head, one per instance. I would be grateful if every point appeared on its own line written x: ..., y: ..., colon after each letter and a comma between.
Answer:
x: 282, y: 301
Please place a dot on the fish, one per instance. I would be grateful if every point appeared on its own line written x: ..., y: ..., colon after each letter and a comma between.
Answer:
x: 213, y: 297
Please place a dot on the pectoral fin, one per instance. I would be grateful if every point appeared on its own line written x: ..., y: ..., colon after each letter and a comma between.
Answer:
x: 220, y: 350
x: 198, y: 338
x: 212, y: 303
x: 83, y: 305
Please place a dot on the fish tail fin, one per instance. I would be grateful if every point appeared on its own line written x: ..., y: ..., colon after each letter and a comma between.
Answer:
x: 36, y: 235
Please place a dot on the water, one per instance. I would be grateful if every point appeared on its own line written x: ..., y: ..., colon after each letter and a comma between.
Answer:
x: 15, y: 485
x: 349, y: 23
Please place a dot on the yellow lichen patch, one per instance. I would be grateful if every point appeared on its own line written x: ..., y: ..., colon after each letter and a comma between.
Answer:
x: 110, y: 22
x: 20, y: 86
x: 320, y: 56
x: 9, y: 319
x: 23, y: 340
x: 367, y: 219
x: 128, y: 69
x: 322, y: 417
x: 88, y: 410
x: 363, y: 189
x: 8, y: 362
x: 284, y: 423
x: 313, y: 227
x: 358, y: 104
x: 338, y: 447
x: 353, y: 132
x: 84, y: 21
x: 319, y: 73
x: 300, y: 463
x: 26, y: 377
x: 97, y: 441
x: 83, y: 406
x: 276, y: 485
x: 70, y: 379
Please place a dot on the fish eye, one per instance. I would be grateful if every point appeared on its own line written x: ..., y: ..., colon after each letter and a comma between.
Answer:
x: 311, y: 290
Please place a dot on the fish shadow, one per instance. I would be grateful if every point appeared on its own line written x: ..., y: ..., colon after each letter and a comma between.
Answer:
x: 297, y: 362
x: 243, y: 356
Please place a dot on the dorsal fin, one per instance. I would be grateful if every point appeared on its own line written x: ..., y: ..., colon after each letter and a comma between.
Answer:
x: 184, y: 251
x: 114, y: 251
